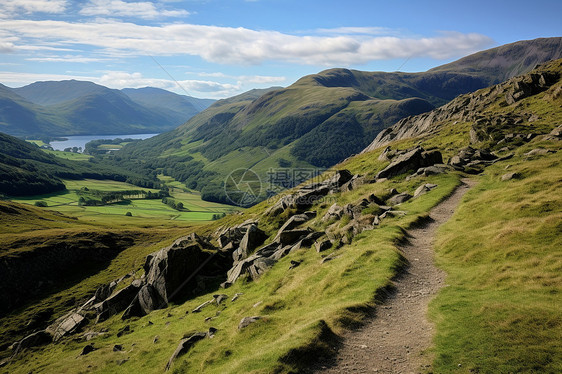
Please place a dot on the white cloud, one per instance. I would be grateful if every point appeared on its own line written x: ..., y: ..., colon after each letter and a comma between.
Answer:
x: 67, y: 58
x: 32, y: 6
x: 119, y: 8
x: 120, y: 79
x: 238, y: 46
x: 258, y: 79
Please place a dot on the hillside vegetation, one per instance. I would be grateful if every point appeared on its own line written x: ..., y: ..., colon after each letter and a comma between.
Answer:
x: 324, y: 118
x: 501, y: 251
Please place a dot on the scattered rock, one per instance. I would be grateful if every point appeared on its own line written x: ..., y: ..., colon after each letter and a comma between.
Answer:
x: 236, y: 296
x: 87, y: 349
x: 510, y: 176
x: 117, y: 348
x: 198, y: 309
x: 424, y: 188
x: 219, y: 298
x: 67, y: 324
x: 294, y: 264
x: 323, y: 245
x: 246, y: 321
x: 411, y: 160
x: 184, y: 346
x: 399, y: 199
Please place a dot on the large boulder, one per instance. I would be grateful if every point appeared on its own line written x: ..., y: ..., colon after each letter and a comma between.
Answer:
x: 117, y: 302
x: 411, y: 160
x: 399, y: 199
x: 146, y: 300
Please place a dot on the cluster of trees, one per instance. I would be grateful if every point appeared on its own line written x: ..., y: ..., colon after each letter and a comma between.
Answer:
x: 92, y: 147
x: 174, y: 205
x: 97, y: 198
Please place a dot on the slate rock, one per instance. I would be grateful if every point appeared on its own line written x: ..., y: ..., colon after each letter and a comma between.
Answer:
x: 323, y: 245
x: 510, y: 176
x: 424, y: 188
x: 67, y: 324
x: 399, y: 199
x: 184, y: 346
x: 247, y: 321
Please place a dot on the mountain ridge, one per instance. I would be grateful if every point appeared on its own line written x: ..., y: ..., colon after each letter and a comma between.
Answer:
x: 73, y: 107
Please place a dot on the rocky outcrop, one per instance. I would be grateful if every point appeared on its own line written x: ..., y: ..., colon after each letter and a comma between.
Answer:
x: 469, y: 108
x: 307, y: 195
x: 411, y: 160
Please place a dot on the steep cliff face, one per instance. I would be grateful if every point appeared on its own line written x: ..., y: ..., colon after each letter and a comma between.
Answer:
x: 470, y: 108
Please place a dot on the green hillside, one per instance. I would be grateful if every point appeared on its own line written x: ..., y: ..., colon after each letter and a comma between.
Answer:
x: 84, y: 108
x: 27, y: 170
x: 335, y: 253
x: 323, y: 118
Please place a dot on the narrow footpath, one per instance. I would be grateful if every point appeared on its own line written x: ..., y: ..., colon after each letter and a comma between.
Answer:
x: 393, y: 341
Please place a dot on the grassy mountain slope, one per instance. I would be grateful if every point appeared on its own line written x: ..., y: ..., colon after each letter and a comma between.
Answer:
x: 21, y: 117
x: 77, y: 107
x: 323, y: 118
x: 501, y: 250
x: 180, y: 107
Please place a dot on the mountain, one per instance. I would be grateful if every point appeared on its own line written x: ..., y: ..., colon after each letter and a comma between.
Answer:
x: 295, y: 274
x: 324, y: 118
x: 78, y: 108
x: 179, y: 107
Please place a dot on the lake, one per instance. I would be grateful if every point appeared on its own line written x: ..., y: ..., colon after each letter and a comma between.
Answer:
x: 81, y: 140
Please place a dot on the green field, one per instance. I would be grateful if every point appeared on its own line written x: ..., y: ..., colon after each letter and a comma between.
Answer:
x: 196, y: 210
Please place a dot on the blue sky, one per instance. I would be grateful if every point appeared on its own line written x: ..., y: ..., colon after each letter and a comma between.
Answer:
x: 219, y: 48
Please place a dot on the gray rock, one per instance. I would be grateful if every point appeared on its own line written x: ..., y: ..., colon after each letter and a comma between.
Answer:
x: 118, y: 302
x: 510, y: 176
x: 289, y: 237
x: 295, y: 221
x: 67, y: 324
x: 323, y: 245
x: 253, y: 238
x: 117, y: 348
x: 200, y: 307
x: 399, y: 199
x: 424, y: 188
x: 247, y: 321
x: 184, y: 346
x: 219, y: 298
x: 411, y: 160
x: 334, y: 212
x: 38, y: 338
x: 146, y: 300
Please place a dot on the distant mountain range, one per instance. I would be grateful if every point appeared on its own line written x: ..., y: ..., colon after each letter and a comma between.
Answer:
x: 84, y: 108
x: 324, y: 118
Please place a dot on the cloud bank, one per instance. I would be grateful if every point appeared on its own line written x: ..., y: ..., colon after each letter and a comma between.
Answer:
x: 227, y: 45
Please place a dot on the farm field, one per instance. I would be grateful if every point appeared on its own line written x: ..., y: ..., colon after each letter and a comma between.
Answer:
x: 143, y: 212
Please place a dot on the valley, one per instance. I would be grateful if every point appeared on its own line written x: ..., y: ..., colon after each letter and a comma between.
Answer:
x: 440, y: 191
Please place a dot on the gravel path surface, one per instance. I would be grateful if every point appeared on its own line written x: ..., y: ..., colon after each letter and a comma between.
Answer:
x: 393, y: 341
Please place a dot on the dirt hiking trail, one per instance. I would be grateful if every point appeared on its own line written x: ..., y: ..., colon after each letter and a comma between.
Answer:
x: 392, y: 341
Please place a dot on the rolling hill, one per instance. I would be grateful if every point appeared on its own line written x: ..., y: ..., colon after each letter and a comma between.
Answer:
x: 84, y: 108
x: 26, y: 170
x: 324, y: 118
